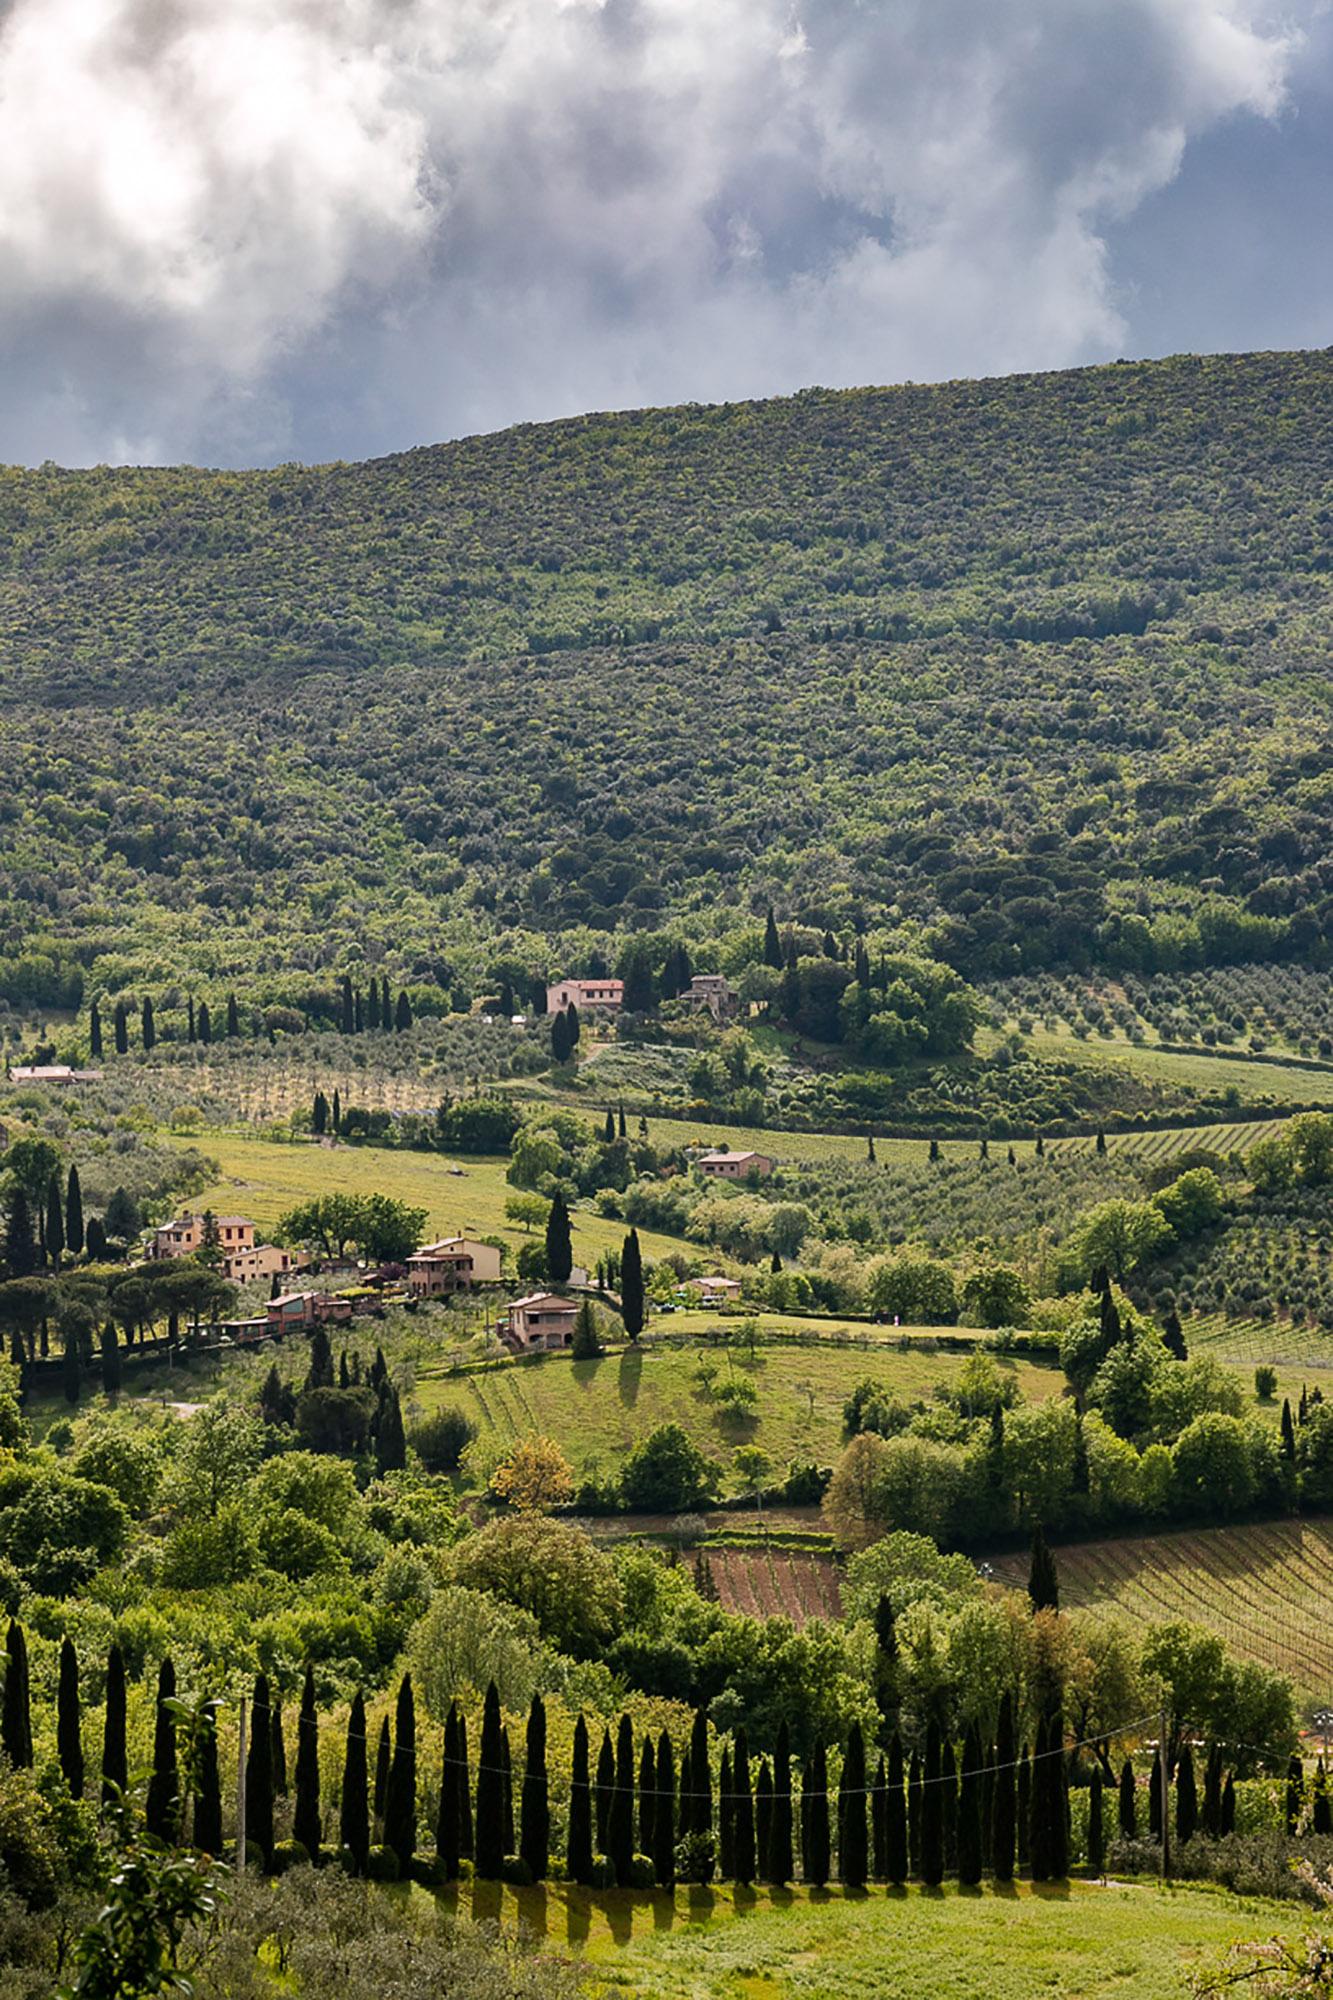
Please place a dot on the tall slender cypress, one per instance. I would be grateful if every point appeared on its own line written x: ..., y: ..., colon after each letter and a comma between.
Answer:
x: 879, y: 1822
x: 914, y: 1812
x: 1023, y: 1816
x: 279, y: 1748
x: 605, y: 1791
x: 115, y: 1760
x: 506, y: 1792
x: 490, y: 1791
x: 400, y: 1801
x: 647, y: 1794
x: 110, y: 1351
x: 817, y: 1854
x: 383, y: 1765
x: 779, y: 1860
x: 807, y: 1802
x: 701, y: 1778
x: 69, y: 1727
x: 1096, y: 1827
x: 16, y: 1714
x: 1187, y: 1797
x: 969, y: 1812
x: 664, y: 1815
x: 1039, y: 1830
x: 161, y: 1812
x: 1155, y: 1797
x: 1211, y: 1816
x: 1003, y: 1825
x: 207, y: 1811
x: 306, y: 1819
x: 726, y: 1818
x: 949, y: 1805
x: 354, y: 1816
x: 535, y: 1840
x: 580, y: 1855
x: 743, y: 1841
x: 895, y: 1816
x: 932, y: 1811
x: 763, y: 1818
x: 1229, y: 1805
x: 259, y: 1773
x: 1043, y: 1582
x: 1058, y: 1796
x: 467, y: 1842
x: 621, y: 1823
x: 1126, y: 1803
x: 631, y: 1285
x: 447, y: 1844
x: 74, y: 1234
x: 852, y: 1855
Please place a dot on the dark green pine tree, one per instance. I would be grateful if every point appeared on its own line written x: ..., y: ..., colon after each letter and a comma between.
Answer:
x: 647, y: 1795
x: 1210, y: 1813
x: 1003, y: 1822
x: 886, y: 1661
x: 1096, y: 1825
x: 559, y: 1246
x: 16, y: 1713
x: 605, y: 1791
x: 390, y: 1438
x: 208, y: 1785
x: 279, y: 1748
x: 1229, y: 1806
x: 319, y: 1375
x: 853, y: 1860
x: 575, y: 1026
x: 895, y: 1817
x: 1127, y: 1804
x: 306, y: 1823
x: 1288, y: 1433
x: 621, y: 1132
x: 54, y: 1234
x: 69, y: 1720
x: 147, y: 1023
x: 969, y: 1812
x: 790, y: 1001
x: 1057, y: 1796
x: 21, y: 1254
x: 74, y: 1235
x: 348, y: 1004
x: 115, y: 1763
x: 879, y: 1822
x: 726, y: 1819
x: 744, y: 1857
x: 1187, y: 1797
x: 932, y: 1810
x: 447, y: 1843
x: 561, y: 1046
x: 319, y: 1115
x: 95, y: 1031
x: 1173, y: 1336
x: 1043, y: 1583
x: 161, y: 1813
x: 466, y: 1836
x: 631, y: 1285
x: 205, y: 1024
x: 121, y: 1028
x: 949, y: 1805
x: 383, y: 1766
x: 259, y: 1774
x: 400, y: 1801
x: 779, y: 1863
x: 701, y: 1778
x: 373, y: 1005
x: 535, y: 1840
x: 110, y: 1351
x: 233, y: 1017
x: 763, y: 1818
x: 1039, y: 1832
x: 580, y: 1855
x: 190, y: 1032
x: 1023, y: 1802
x: 1155, y: 1797
x: 507, y: 1790
x: 490, y: 1791
x: 914, y: 1812
x: 609, y: 1128
x: 817, y: 1854
x: 354, y: 1814
x: 772, y: 942
x: 805, y: 1809
x: 336, y: 1112
x: 620, y: 1828
x: 402, y: 1018
x: 664, y: 1815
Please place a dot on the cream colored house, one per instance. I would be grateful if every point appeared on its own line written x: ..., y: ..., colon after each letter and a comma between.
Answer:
x: 263, y: 1260
x: 735, y: 1166
x: 715, y: 1291
x: 455, y: 1264
x: 590, y: 996
x: 185, y: 1235
x: 542, y: 1320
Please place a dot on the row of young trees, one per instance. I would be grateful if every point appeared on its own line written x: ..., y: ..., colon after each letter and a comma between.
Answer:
x: 199, y: 1024
x: 637, y: 1817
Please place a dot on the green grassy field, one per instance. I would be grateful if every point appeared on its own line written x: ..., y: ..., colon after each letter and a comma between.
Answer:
x: 1294, y: 1082
x: 1087, y: 1942
x: 1266, y: 1588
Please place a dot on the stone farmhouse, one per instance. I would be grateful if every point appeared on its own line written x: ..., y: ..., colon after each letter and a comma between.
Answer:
x: 456, y: 1264
x: 590, y: 996
x: 725, y: 1166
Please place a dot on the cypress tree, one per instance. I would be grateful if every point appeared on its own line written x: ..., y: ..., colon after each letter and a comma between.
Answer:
x: 506, y: 1791
x: 69, y: 1726
x: 1155, y: 1797
x: 772, y: 942
x: 161, y: 1810
x: 1173, y: 1336
x: 447, y: 1845
x: 110, y: 1347
x: 807, y: 1803
x: 205, y: 1024
x: 208, y: 1785
x: 189, y: 1017
x: 74, y: 1235
x: 1288, y: 1433
x: 895, y: 1816
x: 373, y: 1005
x: 879, y: 1822
x: 1023, y: 1815
x: 120, y: 1026
x: 490, y: 1791
x: 259, y: 1774
x: 390, y: 1438
x: 664, y: 1815
x: 852, y: 1856
x: 701, y: 1779
x: 779, y: 1859
x: 1003, y: 1795
x: 932, y: 1814
x: 1127, y: 1804
x: 609, y: 1128
x: 763, y: 1818
x: 620, y: 1826
x: 95, y: 1030
x: 16, y: 1715
x: 233, y: 1016
x: 1096, y: 1828
x: 559, y: 1248
x: 1323, y: 1818
x: 1057, y: 1797
x: 683, y: 1795
x: 336, y: 1111
x: 914, y: 1808
x: 949, y: 1804
x: 580, y: 1855
x: 1039, y: 1856
x: 148, y: 1025
x: 605, y: 1791
x: 535, y: 1843
x: 466, y: 1838
x: 383, y: 1765
x: 620, y: 1130
x: 1043, y: 1583
x: 354, y: 1816
x: 647, y: 1795
x: 279, y: 1749
x: 96, y: 1239
x: 400, y: 1800
x: 1294, y: 1796
x: 726, y: 1819
x: 21, y: 1254
x: 1228, y: 1806
x: 560, y: 1042
x: 55, y: 1222
x: 1187, y: 1797
x: 115, y: 1764
x: 306, y: 1820
x: 631, y: 1285
x: 743, y: 1830
x: 886, y: 1658
x: 969, y: 1812
x: 817, y: 1854
x: 402, y: 1019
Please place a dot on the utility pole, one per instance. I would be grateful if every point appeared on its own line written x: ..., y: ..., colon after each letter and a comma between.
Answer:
x: 1164, y: 1768
x: 240, y: 1795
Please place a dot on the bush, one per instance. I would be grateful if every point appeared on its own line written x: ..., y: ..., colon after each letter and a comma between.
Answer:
x: 515, y: 1871
x: 694, y: 1858
x: 441, y: 1440
x: 642, y: 1874
x: 289, y: 1854
x: 428, y: 1871
x: 382, y: 1865
x: 603, y: 1874
x: 1265, y: 1383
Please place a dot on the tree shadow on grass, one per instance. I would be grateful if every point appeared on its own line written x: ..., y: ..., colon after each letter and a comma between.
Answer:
x: 487, y: 1902
x: 578, y: 1917
x: 534, y: 1911
x: 631, y: 1374
x: 664, y: 1910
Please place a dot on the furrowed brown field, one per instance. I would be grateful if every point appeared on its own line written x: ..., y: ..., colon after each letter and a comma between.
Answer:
x: 1267, y: 1590
x: 769, y: 1583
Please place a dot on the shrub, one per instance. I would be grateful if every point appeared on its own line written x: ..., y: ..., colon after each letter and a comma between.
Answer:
x: 642, y: 1874
x: 603, y: 1873
x: 429, y: 1871
x: 289, y: 1854
x: 382, y: 1864
x: 1265, y: 1383
x: 515, y: 1871
x: 694, y: 1858
x: 441, y: 1440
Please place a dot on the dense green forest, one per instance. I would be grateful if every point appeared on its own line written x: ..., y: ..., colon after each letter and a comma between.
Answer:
x: 1037, y: 665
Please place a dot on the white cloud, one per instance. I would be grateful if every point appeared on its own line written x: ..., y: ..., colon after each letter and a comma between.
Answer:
x: 243, y: 228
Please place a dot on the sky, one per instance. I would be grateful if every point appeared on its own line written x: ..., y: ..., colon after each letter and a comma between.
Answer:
x: 240, y: 232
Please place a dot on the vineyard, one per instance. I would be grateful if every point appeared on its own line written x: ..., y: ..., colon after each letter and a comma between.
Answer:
x: 763, y: 1583
x: 1266, y: 1590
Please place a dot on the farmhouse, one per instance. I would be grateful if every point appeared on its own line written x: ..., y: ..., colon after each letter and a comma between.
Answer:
x: 735, y: 1166
x: 297, y: 1312
x: 713, y: 991
x: 53, y: 1073
x: 261, y: 1260
x: 456, y: 1264
x: 590, y: 996
x: 542, y: 1320
x: 713, y: 1291
x: 185, y: 1235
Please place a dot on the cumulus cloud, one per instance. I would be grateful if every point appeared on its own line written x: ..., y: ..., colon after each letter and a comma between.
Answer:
x: 247, y: 229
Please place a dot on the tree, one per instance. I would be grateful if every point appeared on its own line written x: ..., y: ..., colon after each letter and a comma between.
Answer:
x: 233, y: 1017
x: 71, y: 1367
x: 744, y: 1850
x: 319, y: 1374
x: 1043, y: 1581
x: 69, y: 1729
x: 604, y: 1790
x: 110, y: 1362
x: 562, y: 1046
x: 149, y: 1029
x: 559, y: 1247
x: 1126, y: 1808
x: 306, y: 1823
x: 895, y: 1816
x: 620, y: 1821
x: 579, y: 1853
x: 21, y: 1254
x: 120, y: 1022
x: 969, y: 1812
x: 535, y: 1839
x: 95, y: 1031
x: 259, y: 1773
x: 772, y: 942
x: 666, y: 1472
x: 115, y: 1765
x: 402, y: 1019
x: 852, y: 1854
x: 383, y: 1765
x: 354, y: 1813
x: 161, y: 1814
x: 664, y: 1814
x: 400, y: 1804
x: 586, y: 1344
x: 390, y: 1438
x: 448, y: 1822
x: 631, y: 1285
x: 207, y: 1783
x: 74, y: 1231
x: 1096, y: 1828
x: 319, y: 1115
x: 1003, y: 1827
x: 815, y: 1820
x: 490, y: 1792
x: 54, y: 1232
x: 701, y: 1780
x: 932, y: 1810
x: 16, y: 1712
x: 534, y: 1476
x: 1187, y: 1796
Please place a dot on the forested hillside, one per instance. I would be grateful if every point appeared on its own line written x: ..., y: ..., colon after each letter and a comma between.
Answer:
x: 1040, y: 662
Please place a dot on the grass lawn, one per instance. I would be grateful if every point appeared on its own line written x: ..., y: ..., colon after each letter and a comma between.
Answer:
x: 598, y: 1409
x: 1086, y: 1942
